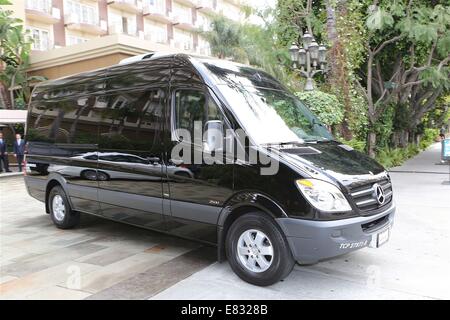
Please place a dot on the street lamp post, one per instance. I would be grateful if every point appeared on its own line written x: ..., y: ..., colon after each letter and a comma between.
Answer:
x: 310, y: 59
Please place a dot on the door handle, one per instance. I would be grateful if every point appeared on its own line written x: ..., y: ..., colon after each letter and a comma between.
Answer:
x: 153, y: 159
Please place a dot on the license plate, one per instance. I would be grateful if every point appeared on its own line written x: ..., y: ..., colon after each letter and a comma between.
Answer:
x: 382, y: 237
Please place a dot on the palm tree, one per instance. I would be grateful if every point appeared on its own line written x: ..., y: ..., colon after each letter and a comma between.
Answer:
x: 225, y: 40
x: 14, y: 54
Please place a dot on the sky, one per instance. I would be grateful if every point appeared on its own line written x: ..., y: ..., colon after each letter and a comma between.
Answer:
x: 262, y: 3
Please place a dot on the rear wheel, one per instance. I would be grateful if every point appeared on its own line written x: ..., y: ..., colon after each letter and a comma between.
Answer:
x: 102, y: 176
x: 257, y: 250
x: 89, y: 175
x: 61, y: 213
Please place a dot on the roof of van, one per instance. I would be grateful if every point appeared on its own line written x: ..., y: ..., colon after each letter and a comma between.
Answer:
x: 198, y: 61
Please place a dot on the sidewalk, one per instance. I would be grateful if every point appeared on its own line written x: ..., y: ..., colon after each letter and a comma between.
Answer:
x: 414, y: 264
x: 428, y: 161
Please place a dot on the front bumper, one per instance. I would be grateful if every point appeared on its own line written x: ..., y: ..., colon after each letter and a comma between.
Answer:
x: 311, y: 241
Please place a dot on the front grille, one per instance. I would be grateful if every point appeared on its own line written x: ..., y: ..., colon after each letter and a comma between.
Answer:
x: 367, y: 227
x: 365, y: 198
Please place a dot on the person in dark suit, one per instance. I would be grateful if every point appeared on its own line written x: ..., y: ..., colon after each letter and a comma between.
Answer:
x: 19, y: 150
x: 3, y: 154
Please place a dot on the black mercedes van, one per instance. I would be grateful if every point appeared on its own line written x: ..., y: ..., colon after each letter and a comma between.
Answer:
x: 117, y: 143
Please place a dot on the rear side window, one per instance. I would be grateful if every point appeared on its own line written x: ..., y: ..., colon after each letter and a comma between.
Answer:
x: 132, y: 120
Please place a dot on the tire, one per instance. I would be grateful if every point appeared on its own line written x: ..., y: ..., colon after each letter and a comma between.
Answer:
x: 268, y: 269
x: 102, y: 176
x: 89, y: 175
x: 61, y: 213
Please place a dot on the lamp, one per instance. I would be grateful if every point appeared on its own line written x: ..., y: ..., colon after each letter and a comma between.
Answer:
x: 309, y: 59
x: 302, y: 57
x: 293, y: 51
x: 307, y: 39
x: 314, y: 50
x: 322, y: 53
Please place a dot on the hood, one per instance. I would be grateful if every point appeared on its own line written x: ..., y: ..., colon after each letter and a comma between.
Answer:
x: 334, y: 161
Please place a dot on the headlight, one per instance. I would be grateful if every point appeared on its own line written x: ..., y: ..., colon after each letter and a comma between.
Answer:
x: 323, y: 195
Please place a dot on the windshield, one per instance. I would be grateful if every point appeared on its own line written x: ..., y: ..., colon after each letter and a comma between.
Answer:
x: 272, y: 116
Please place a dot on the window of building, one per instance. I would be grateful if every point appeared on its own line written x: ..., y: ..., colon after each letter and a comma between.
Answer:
x: 40, y: 38
x: 203, y: 46
x: 157, y: 6
x: 80, y: 12
x: 203, y: 22
x: 122, y: 24
x: 156, y: 32
x: 39, y: 5
x: 182, y: 39
x: 115, y: 23
x: 129, y: 25
x: 182, y: 13
x: 229, y: 10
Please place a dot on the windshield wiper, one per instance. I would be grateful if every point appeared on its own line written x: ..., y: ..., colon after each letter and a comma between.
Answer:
x: 318, y: 141
x: 285, y: 143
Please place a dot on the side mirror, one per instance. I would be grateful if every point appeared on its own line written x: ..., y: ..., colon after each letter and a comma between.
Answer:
x: 213, y: 136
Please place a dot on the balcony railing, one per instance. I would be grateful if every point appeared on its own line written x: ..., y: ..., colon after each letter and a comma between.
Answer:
x: 206, y: 6
x: 155, y: 38
x: 133, y: 6
x: 189, y: 3
x: 44, y: 6
x: 182, y: 45
x: 182, y: 21
x: 203, y: 26
x: 157, y: 12
x: 45, y: 45
x: 74, y: 21
x: 42, y: 10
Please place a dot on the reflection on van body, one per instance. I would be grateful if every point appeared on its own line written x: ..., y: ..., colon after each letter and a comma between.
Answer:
x: 100, y: 142
x: 130, y: 163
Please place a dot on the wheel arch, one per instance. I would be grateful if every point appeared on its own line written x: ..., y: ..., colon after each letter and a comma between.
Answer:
x: 54, y: 180
x: 239, y: 205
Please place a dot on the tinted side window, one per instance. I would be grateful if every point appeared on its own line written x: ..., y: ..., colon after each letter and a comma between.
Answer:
x: 132, y: 120
x: 194, y: 105
x: 66, y: 121
x: 60, y: 110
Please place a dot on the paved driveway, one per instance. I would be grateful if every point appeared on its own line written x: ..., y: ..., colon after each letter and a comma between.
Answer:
x: 98, y: 260
x: 102, y: 259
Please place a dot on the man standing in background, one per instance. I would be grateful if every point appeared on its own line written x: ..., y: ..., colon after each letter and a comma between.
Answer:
x: 19, y: 150
x: 3, y: 154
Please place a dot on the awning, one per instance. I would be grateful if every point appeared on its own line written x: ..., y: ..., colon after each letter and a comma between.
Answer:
x: 12, y: 116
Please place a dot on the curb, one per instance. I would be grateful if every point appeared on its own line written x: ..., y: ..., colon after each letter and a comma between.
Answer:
x: 10, y: 175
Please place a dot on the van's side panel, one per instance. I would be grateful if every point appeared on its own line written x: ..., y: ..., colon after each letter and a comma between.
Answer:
x: 131, y: 143
x: 62, y: 134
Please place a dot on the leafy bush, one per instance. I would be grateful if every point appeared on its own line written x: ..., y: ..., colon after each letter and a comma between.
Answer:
x: 326, y: 106
x: 395, y: 157
x: 356, y: 144
x: 428, y: 137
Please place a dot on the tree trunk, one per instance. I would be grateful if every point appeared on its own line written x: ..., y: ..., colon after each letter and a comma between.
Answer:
x: 4, y: 97
x: 404, y: 138
x: 395, y: 139
x: 371, y: 144
x: 337, y: 61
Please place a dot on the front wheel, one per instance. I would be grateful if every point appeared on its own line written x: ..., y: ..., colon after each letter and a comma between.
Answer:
x: 257, y: 250
x: 61, y: 213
